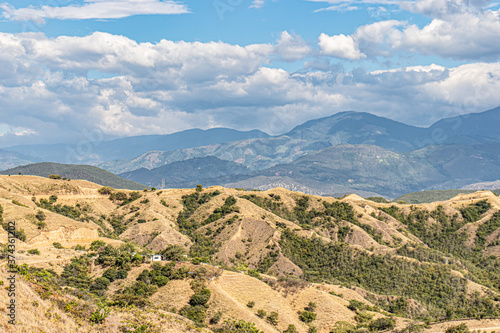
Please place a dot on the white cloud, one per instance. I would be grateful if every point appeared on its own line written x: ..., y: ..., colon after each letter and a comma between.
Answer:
x: 460, y: 36
x: 170, y: 86
x: 340, y: 46
x: 291, y: 48
x: 443, y: 8
x: 257, y: 4
x: 94, y: 9
x: 461, y: 32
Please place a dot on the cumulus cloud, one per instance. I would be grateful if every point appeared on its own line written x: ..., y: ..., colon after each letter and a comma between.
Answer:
x: 170, y: 86
x: 459, y: 36
x: 291, y: 47
x: 461, y: 30
x: 94, y: 9
x: 340, y: 46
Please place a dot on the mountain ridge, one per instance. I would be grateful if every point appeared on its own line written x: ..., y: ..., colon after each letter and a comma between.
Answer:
x: 72, y: 171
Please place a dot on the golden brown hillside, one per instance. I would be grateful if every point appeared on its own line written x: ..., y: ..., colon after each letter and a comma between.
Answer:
x: 273, y: 258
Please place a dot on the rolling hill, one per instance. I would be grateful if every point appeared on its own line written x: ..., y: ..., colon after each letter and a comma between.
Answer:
x: 272, y: 258
x: 71, y: 171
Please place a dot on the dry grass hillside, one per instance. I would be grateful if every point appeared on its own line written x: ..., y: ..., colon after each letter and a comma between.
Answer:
x: 272, y: 258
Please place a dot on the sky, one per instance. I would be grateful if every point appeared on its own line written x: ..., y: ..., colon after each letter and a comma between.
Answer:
x: 71, y: 70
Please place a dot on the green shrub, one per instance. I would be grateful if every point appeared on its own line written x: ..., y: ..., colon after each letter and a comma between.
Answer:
x: 15, y: 202
x: 105, y: 190
x: 95, y: 245
x: 57, y: 245
x: 110, y: 274
x: 261, y: 313
x: 79, y: 247
x: 216, y: 318
x: 343, y: 327
x: 377, y: 199
x: 200, y: 298
x: 195, y: 313
x: 99, y: 315
x: 307, y: 316
x: 121, y: 274
x: 291, y: 329
x: 237, y: 326
x: 101, y: 283
x: 174, y: 253
x: 273, y: 318
x: 34, y: 252
x: 462, y: 328
x: 251, y: 304
x: 363, y: 317
x: 382, y: 324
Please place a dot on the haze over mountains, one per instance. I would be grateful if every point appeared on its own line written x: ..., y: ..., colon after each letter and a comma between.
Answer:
x: 344, y: 153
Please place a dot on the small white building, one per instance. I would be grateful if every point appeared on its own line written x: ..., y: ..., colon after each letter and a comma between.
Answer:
x: 156, y: 257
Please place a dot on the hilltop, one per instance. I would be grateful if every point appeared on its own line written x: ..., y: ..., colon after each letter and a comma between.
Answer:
x: 315, y: 261
x: 71, y: 171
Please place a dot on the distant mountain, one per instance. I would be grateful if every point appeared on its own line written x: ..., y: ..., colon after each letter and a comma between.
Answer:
x: 207, y: 171
x: 373, y: 169
x: 342, y: 169
x: 493, y: 185
x: 349, y: 151
x: 472, y: 128
x: 10, y: 159
x: 360, y: 128
x: 363, y: 168
x: 256, y: 154
x: 85, y: 172
x: 342, y: 128
x: 126, y: 148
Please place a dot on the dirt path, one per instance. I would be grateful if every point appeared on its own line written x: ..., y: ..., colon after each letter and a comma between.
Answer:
x: 489, y: 325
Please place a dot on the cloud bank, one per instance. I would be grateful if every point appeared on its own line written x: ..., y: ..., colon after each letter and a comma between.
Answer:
x: 71, y: 84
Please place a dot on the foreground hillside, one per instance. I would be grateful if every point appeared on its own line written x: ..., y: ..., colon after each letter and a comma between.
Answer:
x: 273, y: 261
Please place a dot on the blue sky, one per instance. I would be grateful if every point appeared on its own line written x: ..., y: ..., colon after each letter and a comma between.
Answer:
x: 133, y: 67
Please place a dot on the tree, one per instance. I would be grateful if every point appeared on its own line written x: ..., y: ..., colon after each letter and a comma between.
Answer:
x: 307, y: 316
x: 462, y: 328
x: 291, y: 329
x: 105, y: 190
x: 385, y: 323
x: 174, y: 252
x: 238, y: 326
x: 273, y: 318
x: 110, y: 274
x: 40, y: 216
x: 100, y: 284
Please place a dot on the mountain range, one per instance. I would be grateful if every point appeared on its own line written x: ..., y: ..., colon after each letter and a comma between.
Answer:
x: 349, y: 152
